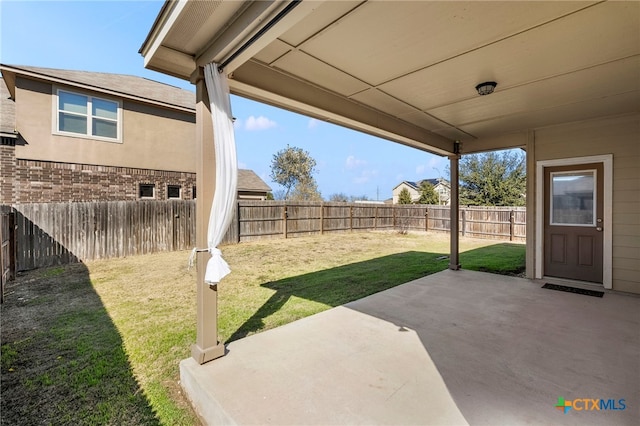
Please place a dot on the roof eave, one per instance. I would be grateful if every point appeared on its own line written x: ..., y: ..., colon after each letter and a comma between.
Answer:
x: 13, y: 71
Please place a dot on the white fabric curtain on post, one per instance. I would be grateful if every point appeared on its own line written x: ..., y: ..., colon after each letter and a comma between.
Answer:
x: 224, y: 198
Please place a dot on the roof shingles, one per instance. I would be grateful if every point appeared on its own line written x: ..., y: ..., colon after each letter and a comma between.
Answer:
x: 125, y: 85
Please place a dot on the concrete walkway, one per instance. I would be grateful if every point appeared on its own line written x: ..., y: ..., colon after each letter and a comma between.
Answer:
x: 453, y: 348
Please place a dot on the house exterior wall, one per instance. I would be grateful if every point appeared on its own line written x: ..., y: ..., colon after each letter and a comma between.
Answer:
x: 415, y: 195
x: 152, y: 137
x: 252, y: 195
x: 156, y: 147
x: 443, y: 190
x: 618, y: 136
x: 53, y: 182
x: 7, y: 170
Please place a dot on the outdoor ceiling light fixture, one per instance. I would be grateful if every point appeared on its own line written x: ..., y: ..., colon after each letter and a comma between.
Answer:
x: 486, y: 88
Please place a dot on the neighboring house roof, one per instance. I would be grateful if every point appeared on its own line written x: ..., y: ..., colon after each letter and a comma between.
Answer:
x: 7, y: 112
x: 416, y: 185
x: 127, y: 86
x: 249, y: 181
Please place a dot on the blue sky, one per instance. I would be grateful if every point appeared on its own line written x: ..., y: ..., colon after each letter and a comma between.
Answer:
x: 105, y: 36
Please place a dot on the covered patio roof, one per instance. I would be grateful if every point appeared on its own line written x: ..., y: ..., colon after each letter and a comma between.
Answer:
x: 407, y: 71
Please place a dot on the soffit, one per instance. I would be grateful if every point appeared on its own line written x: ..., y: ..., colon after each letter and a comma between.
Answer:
x: 413, y: 66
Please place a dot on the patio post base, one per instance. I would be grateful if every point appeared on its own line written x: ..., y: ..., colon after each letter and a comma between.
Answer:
x: 454, y: 266
x: 205, y: 355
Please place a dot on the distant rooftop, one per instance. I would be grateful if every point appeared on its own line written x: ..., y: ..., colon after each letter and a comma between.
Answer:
x: 249, y: 181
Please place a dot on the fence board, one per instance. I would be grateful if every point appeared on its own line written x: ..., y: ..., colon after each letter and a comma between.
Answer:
x: 7, y: 248
x: 58, y: 233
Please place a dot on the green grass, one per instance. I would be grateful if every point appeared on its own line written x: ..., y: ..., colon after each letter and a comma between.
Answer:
x: 101, y: 343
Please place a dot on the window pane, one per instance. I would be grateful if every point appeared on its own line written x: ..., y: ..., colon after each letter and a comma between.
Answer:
x: 573, y: 198
x: 106, y: 129
x: 105, y: 109
x: 173, y: 191
x: 72, y: 123
x: 72, y: 103
x: 146, y: 190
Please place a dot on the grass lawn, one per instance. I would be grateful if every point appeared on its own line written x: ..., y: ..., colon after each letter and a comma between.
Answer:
x: 100, y: 343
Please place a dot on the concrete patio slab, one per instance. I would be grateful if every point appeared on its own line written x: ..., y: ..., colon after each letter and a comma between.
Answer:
x: 455, y: 347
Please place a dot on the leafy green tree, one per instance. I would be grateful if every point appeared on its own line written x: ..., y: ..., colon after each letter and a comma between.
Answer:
x: 493, y: 179
x: 428, y: 194
x: 306, y: 190
x: 270, y: 196
x: 404, y: 197
x: 291, y: 166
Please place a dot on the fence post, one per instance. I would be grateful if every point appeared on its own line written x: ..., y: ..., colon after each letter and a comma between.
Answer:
x: 426, y: 219
x: 512, y: 224
x: 13, y: 245
x: 321, y: 218
x: 284, y: 220
x: 375, y: 218
x: 238, y: 219
x: 464, y: 221
x: 393, y: 211
x: 351, y: 218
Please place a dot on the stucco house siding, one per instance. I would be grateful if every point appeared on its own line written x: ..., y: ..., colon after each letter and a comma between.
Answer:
x: 155, y: 147
x: 152, y: 137
x: 618, y: 136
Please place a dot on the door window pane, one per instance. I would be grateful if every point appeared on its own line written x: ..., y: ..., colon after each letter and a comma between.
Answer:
x: 573, y: 198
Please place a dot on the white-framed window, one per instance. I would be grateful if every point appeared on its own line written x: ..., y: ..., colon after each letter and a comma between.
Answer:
x: 147, y: 190
x: 174, y: 191
x: 82, y: 115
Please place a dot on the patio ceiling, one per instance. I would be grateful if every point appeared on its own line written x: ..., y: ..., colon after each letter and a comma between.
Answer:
x: 407, y: 71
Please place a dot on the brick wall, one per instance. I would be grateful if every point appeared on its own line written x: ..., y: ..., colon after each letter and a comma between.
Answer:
x: 50, y: 182
x: 7, y: 170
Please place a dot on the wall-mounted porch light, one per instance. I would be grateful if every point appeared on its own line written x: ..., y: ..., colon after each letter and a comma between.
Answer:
x: 486, y: 88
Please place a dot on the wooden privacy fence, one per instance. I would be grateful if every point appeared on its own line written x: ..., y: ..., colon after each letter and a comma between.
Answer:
x: 7, y: 248
x: 483, y: 222
x: 58, y: 233
x: 280, y: 219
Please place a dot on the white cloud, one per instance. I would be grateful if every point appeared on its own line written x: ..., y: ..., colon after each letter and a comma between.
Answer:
x: 259, y: 123
x: 429, y: 168
x: 313, y: 123
x: 242, y: 165
x: 365, y: 176
x: 352, y: 162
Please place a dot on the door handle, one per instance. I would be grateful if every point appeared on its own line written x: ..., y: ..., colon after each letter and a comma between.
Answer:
x: 599, y: 229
